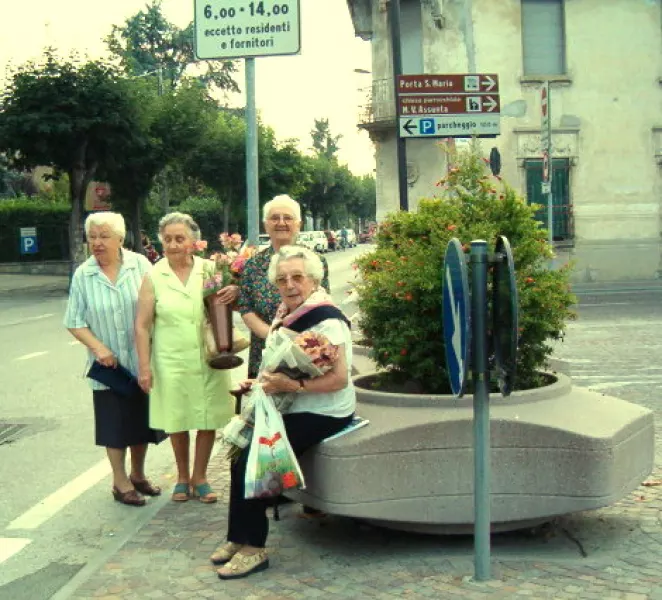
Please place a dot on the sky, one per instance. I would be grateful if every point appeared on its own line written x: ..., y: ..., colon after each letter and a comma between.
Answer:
x: 291, y: 91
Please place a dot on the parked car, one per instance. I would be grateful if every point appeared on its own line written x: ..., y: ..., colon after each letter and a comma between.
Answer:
x: 313, y: 240
x: 331, y: 240
x: 263, y: 241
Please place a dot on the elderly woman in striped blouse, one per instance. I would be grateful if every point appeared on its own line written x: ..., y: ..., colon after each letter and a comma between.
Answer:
x: 101, y: 314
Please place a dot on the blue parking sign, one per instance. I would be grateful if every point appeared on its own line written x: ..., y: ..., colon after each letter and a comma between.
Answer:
x: 29, y: 244
x: 427, y: 126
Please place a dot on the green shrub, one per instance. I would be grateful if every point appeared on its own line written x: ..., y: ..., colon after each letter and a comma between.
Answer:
x: 51, y: 220
x: 401, y: 280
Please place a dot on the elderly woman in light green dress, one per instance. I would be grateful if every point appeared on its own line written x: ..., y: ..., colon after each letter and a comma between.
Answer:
x: 185, y: 393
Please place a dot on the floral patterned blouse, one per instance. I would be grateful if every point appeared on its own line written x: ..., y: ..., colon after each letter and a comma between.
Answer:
x: 258, y: 296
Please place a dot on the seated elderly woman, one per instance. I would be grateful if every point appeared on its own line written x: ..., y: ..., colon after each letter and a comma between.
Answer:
x: 323, y: 406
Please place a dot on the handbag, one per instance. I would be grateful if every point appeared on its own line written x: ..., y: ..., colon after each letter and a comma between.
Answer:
x: 119, y: 379
x: 272, y: 466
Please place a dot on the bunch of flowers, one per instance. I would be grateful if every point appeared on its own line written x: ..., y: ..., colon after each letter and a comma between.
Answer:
x: 228, y: 264
x: 299, y: 356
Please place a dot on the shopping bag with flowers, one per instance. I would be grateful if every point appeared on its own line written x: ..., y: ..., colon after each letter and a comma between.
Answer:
x: 223, y: 269
x: 272, y: 465
x: 302, y: 355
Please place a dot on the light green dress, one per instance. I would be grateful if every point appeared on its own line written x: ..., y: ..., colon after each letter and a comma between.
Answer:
x: 186, y: 393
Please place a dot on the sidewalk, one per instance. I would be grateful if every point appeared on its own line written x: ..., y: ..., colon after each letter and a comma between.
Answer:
x: 17, y: 284
x: 611, y: 553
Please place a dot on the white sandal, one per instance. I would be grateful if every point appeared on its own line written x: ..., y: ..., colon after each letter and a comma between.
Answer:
x: 224, y: 553
x: 242, y: 565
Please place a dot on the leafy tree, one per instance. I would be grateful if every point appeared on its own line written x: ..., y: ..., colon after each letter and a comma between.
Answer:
x: 170, y: 127
x: 324, y: 143
x: 71, y: 117
x: 148, y: 42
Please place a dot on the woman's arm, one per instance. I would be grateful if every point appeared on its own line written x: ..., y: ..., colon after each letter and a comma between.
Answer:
x: 101, y: 352
x: 333, y: 380
x: 144, y: 322
x: 256, y: 324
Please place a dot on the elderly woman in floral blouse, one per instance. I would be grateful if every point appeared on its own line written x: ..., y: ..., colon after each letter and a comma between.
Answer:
x: 259, y: 299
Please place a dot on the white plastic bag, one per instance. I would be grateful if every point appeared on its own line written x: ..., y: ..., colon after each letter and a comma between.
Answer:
x: 272, y: 465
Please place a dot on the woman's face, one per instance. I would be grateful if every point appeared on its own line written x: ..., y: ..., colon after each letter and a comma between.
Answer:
x: 293, y: 284
x: 104, y: 243
x: 177, y: 241
x: 282, y: 226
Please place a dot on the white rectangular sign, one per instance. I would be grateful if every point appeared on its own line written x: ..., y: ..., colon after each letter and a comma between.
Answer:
x: 450, y: 126
x: 241, y: 29
x: 28, y: 231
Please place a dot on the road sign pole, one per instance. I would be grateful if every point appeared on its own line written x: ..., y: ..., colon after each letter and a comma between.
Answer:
x: 481, y: 397
x: 400, y: 143
x: 252, y: 192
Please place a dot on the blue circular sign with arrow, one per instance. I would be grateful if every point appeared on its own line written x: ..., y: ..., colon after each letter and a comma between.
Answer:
x: 456, y: 316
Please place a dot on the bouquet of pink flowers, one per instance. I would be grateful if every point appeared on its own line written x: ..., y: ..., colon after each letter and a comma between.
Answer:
x: 228, y: 265
x: 301, y: 356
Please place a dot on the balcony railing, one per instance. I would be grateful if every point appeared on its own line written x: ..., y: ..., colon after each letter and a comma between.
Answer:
x: 379, y: 105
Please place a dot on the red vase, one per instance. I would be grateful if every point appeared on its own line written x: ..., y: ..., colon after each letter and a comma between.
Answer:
x: 220, y: 319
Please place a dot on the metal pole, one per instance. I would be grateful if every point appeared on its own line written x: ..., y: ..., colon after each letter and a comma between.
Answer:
x: 400, y: 144
x: 481, y: 397
x: 252, y: 192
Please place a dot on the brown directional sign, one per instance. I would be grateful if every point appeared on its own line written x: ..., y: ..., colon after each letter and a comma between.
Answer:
x: 477, y: 83
x: 447, y: 104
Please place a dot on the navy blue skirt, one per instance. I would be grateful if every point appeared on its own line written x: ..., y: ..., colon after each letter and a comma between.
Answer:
x: 120, y: 422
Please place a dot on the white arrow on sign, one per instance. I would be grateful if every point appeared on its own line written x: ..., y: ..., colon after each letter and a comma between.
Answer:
x: 489, y: 103
x: 489, y: 83
x: 456, y: 340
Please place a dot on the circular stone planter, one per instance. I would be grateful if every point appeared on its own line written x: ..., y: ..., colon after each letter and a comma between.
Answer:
x: 555, y: 450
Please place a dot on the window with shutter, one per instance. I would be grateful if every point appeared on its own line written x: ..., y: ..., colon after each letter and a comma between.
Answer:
x: 543, y: 37
x: 563, y: 225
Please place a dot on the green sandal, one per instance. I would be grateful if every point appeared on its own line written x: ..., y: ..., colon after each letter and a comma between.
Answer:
x: 181, y: 493
x: 204, y: 493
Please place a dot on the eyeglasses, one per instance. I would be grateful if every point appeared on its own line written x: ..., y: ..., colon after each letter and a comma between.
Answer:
x: 277, y: 218
x: 297, y: 279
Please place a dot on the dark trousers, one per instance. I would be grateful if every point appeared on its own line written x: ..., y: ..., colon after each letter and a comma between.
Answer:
x: 247, y: 519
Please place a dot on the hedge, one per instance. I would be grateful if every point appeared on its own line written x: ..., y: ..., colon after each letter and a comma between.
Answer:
x: 51, y: 221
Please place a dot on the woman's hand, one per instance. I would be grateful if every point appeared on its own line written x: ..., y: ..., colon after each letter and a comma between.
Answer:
x: 228, y: 294
x: 105, y: 356
x: 246, y: 385
x: 277, y: 383
x: 145, y: 380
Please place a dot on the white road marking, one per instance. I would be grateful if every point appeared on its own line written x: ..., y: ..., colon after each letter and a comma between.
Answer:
x: 49, y: 506
x: 27, y: 320
x: 10, y: 546
x: 613, y: 384
x: 74, y: 343
x: 647, y: 323
x: 584, y: 305
x: 32, y: 355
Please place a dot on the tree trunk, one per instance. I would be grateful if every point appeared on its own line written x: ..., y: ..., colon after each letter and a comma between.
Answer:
x: 79, y: 179
x: 136, y: 225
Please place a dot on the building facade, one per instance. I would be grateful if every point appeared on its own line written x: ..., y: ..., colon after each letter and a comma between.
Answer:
x: 604, y: 64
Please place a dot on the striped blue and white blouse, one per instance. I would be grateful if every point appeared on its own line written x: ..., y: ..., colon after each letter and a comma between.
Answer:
x: 108, y: 310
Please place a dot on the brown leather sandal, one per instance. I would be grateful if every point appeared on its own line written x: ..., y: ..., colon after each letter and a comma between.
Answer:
x: 130, y: 498
x: 145, y: 487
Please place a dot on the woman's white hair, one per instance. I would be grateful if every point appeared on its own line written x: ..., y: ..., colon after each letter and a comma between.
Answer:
x: 282, y: 200
x: 114, y: 220
x: 178, y: 218
x: 312, y: 265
